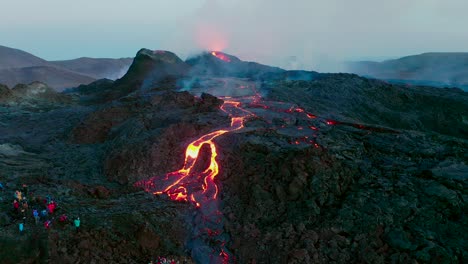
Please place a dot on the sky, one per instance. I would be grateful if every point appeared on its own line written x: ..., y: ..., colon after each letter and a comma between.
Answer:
x: 307, y: 34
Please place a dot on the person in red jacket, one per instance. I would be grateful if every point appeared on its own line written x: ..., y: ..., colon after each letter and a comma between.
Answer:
x: 16, y: 205
x: 51, y: 206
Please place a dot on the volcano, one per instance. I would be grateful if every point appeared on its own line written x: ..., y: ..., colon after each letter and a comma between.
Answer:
x: 216, y: 63
x: 218, y: 160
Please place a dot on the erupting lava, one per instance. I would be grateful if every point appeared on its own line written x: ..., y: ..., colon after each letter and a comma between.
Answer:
x: 221, y: 56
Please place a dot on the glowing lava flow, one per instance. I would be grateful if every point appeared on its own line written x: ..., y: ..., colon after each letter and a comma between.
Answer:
x: 187, y: 176
x: 221, y: 56
x: 184, y: 185
x: 176, y: 190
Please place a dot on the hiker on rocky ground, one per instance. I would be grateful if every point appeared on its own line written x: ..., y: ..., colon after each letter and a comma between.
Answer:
x: 51, y: 207
x: 36, y: 216
x: 77, y: 223
x: 18, y: 195
x: 21, y: 227
x: 47, y: 224
x: 16, y: 205
x: 44, y: 213
x: 25, y: 204
x: 63, y: 218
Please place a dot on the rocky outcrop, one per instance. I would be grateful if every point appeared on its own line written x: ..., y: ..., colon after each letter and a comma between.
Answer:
x: 35, y: 95
x: 150, y: 71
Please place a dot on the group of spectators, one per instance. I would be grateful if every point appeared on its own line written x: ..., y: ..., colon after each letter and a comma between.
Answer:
x: 29, y: 209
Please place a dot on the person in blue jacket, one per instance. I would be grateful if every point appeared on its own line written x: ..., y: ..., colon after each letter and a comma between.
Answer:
x: 77, y: 223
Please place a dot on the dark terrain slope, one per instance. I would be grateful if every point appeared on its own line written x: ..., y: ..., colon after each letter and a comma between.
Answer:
x: 350, y: 98
x: 384, y: 180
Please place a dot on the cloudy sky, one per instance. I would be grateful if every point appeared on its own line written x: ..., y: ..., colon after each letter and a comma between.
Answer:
x: 313, y: 34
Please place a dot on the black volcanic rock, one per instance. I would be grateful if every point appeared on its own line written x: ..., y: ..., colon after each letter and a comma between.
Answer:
x: 352, y: 98
x: 290, y: 76
x: 224, y: 65
x: 152, y: 67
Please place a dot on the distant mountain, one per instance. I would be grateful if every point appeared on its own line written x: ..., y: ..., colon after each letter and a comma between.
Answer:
x: 57, y: 78
x: 436, y: 69
x: 14, y: 58
x: 17, y: 67
x: 97, y: 68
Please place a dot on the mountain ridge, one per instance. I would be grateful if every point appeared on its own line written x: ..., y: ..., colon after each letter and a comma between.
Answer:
x: 16, y: 66
x: 440, y: 69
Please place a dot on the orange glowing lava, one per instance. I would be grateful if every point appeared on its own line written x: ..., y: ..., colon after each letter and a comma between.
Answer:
x: 179, y: 181
x: 221, y: 56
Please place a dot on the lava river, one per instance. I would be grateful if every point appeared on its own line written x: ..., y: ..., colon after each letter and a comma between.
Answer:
x: 184, y: 185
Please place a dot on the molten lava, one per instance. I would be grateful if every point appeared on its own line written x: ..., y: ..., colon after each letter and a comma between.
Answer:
x: 221, y: 56
x: 184, y: 184
x: 197, y: 185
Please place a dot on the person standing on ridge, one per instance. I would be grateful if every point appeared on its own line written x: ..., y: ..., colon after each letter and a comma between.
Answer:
x: 47, y: 224
x: 51, y: 206
x: 18, y: 195
x: 21, y: 227
x: 15, y: 205
x: 36, y: 216
x: 77, y: 223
